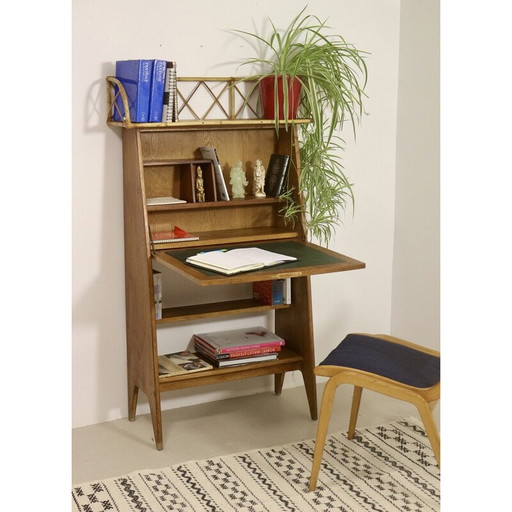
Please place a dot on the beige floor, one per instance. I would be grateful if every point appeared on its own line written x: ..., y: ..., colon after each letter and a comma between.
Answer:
x: 218, y: 428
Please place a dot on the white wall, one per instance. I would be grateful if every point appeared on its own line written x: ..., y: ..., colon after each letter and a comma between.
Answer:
x: 416, y: 258
x: 194, y: 33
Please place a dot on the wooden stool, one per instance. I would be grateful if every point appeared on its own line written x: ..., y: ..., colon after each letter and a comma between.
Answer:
x: 385, y: 364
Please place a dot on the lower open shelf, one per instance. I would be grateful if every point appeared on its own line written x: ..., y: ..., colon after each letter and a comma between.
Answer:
x: 199, y: 311
x: 286, y: 362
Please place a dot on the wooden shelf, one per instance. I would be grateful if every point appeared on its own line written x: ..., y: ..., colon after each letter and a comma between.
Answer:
x: 208, y: 123
x: 287, y: 361
x: 200, y: 311
x: 229, y: 237
x: 248, y: 201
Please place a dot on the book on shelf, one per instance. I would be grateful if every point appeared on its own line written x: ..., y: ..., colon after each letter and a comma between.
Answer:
x: 135, y: 75
x: 277, y: 175
x: 210, y: 153
x: 179, y: 363
x: 232, y: 353
x: 156, y: 98
x: 163, y: 372
x: 269, y: 292
x: 234, y: 261
x: 170, y: 100
x: 221, y: 363
x: 155, y: 201
x: 157, y: 287
x: 175, y: 235
x: 239, y: 339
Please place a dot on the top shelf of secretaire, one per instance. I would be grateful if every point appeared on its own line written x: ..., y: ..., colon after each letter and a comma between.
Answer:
x: 232, y: 103
x: 210, y: 123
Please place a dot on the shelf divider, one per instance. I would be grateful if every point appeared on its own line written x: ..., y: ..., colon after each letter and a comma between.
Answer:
x: 198, y: 311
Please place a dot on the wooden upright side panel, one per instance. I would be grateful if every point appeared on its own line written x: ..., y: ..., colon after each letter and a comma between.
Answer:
x: 295, y: 325
x: 140, y: 320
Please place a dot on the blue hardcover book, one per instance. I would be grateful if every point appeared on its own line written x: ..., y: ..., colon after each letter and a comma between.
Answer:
x: 156, y: 99
x: 135, y: 75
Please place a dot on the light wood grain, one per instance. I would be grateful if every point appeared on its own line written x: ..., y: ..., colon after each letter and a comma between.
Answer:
x: 424, y: 399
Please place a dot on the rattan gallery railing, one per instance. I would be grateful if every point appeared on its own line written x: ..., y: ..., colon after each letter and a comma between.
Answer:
x: 199, y: 99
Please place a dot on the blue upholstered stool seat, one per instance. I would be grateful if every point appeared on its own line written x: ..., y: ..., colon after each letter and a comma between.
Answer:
x: 387, y: 359
x: 384, y: 364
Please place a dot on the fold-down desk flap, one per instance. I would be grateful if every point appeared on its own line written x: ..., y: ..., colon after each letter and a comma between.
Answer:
x: 311, y: 260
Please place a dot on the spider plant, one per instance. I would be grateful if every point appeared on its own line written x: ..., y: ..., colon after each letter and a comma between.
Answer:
x: 333, y: 75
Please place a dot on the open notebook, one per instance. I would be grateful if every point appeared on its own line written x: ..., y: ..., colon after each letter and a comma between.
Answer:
x: 234, y: 261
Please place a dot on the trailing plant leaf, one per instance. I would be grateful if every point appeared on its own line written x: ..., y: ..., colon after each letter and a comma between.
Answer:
x: 333, y: 76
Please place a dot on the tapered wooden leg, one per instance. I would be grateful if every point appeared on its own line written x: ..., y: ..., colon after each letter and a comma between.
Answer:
x: 321, y: 434
x: 425, y: 411
x: 156, y: 417
x: 295, y: 325
x: 310, y: 384
x: 278, y: 383
x: 356, y: 401
x: 133, y: 394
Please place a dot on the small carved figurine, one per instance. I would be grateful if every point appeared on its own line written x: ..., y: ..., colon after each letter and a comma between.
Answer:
x: 238, y: 181
x: 199, y: 186
x: 259, y: 180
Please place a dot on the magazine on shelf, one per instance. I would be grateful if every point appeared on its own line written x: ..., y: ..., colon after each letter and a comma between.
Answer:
x: 155, y: 201
x: 221, y: 363
x: 179, y: 363
x: 236, y: 352
x: 240, y: 339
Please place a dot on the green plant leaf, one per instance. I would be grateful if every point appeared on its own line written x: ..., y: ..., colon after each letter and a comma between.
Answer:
x: 333, y: 76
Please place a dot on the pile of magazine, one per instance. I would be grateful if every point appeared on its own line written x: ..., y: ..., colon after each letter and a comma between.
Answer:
x: 238, y: 346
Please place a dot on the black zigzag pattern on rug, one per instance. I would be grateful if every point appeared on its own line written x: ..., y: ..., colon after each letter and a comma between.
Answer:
x: 388, y: 468
x: 265, y: 481
x: 347, y: 484
x: 191, y: 483
x: 133, y: 494
x: 372, y: 448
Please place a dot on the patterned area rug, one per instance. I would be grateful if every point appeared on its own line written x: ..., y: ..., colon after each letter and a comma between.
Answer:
x: 385, y: 469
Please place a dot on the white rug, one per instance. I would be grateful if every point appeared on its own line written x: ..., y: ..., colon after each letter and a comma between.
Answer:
x: 384, y: 469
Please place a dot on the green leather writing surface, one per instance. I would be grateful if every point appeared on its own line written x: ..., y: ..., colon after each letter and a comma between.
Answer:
x: 306, y: 255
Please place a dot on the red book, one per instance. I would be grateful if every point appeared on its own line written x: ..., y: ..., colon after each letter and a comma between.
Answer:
x: 240, y: 339
x: 269, y: 292
x: 204, y: 348
x: 176, y: 235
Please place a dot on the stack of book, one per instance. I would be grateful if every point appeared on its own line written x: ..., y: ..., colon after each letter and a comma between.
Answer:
x: 272, y: 293
x: 176, y: 234
x: 151, y: 88
x: 238, y: 346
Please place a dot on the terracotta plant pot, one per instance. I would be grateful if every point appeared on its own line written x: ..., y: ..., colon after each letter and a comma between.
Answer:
x: 266, y: 88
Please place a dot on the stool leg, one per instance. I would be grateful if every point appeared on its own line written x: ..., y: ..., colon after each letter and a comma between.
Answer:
x: 356, y: 401
x: 321, y: 433
x: 425, y: 411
